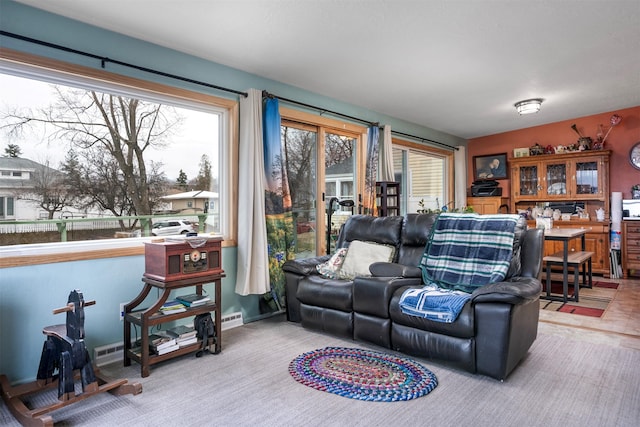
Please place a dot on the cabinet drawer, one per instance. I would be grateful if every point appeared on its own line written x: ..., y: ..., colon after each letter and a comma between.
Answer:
x: 633, y: 229
x: 594, y: 228
x: 633, y: 260
x: 633, y: 249
x: 632, y: 242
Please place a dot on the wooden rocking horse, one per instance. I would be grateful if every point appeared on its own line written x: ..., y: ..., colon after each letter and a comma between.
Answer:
x: 64, y: 351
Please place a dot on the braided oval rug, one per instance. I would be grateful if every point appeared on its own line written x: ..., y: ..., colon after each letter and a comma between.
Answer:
x: 362, y: 374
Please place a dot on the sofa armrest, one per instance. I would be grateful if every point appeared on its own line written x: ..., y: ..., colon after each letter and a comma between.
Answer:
x: 516, y: 290
x: 371, y: 295
x: 305, y: 266
x: 390, y: 269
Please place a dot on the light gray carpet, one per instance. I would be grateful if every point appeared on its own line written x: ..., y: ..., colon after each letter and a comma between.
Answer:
x: 561, y: 383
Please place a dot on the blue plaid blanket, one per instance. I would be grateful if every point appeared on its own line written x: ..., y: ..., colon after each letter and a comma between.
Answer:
x: 433, y: 303
x: 465, y: 252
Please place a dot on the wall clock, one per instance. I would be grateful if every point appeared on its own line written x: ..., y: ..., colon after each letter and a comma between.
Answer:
x: 634, y: 155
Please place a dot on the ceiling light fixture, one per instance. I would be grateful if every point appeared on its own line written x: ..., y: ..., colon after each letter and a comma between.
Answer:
x: 528, y: 106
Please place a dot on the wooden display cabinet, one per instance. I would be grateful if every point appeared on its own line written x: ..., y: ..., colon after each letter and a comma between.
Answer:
x: 581, y: 176
x: 575, y: 176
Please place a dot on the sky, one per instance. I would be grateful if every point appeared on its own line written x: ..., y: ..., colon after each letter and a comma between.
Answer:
x: 197, y: 134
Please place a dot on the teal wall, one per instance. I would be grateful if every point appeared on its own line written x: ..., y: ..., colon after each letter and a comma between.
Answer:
x: 29, y: 294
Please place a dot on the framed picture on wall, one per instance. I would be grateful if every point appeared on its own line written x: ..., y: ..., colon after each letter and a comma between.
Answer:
x: 492, y: 166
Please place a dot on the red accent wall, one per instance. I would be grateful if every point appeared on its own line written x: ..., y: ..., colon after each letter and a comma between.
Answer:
x: 622, y: 175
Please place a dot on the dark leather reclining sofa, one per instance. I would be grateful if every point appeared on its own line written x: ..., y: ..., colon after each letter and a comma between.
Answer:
x: 490, y: 336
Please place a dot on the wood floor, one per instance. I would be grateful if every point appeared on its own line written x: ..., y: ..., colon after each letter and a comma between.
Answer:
x: 618, y: 326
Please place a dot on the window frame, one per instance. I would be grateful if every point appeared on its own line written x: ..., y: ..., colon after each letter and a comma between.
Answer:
x: 447, y: 155
x: 14, y: 62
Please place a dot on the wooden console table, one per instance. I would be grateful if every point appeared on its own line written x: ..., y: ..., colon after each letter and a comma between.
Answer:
x: 151, y: 316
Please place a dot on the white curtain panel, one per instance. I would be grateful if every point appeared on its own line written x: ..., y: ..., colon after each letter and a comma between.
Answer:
x: 460, y: 174
x: 386, y: 156
x: 253, y: 263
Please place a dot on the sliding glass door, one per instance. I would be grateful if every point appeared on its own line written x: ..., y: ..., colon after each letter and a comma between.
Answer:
x: 339, y: 183
x: 300, y: 144
x: 323, y: 193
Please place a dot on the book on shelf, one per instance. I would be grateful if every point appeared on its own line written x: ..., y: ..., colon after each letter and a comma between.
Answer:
x: 173, y: 310
x: 160, y: 341
x: 183, y: 342
x: 168, y: 349
x: 173, y: 306
x: 193, y: 300
x: 182, y: 332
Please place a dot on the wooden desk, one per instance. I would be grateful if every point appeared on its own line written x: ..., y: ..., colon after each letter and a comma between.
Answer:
x: 564, y: 235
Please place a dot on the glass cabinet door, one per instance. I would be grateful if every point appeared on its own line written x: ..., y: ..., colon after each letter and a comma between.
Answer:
x: 556, y: 179
x: 528, y: 180
x: 587, y: 178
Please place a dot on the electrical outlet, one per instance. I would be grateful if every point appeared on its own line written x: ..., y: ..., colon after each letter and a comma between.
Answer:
x: 122, y: 304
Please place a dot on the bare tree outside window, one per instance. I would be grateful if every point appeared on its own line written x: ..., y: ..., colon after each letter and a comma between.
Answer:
x: 103, y: 154
x: 112, y: 133
x: 49, y: 190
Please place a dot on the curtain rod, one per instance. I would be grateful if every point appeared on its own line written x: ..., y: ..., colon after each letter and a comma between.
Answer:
x: 452, y: 147
x: 324, y: 110
x: 103, y: 60
x: 266, y: 94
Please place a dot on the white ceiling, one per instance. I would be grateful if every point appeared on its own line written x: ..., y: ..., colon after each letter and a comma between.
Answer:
x: 457, y: 66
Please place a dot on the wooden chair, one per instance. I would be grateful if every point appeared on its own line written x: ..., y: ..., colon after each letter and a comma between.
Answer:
x: 64, y: 351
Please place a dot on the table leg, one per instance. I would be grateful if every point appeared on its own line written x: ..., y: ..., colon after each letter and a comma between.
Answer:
x: 576, y: 284
x: 584, y: 267
x: 565, y: 269
x: 548, y: 280
x: 218, y: 316
x: 128, y: 308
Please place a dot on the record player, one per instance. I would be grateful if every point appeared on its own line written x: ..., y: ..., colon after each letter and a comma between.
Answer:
x: 485, y: 188
x: 179, y: 257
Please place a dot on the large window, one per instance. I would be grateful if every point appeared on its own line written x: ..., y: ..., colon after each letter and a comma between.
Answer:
x: 77, y: 147
x: 424, y: 174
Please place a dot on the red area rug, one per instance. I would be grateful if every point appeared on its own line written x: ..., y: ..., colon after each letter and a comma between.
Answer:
x: 584, y: 311
x: 556, y: 287
x: 592, y: 302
